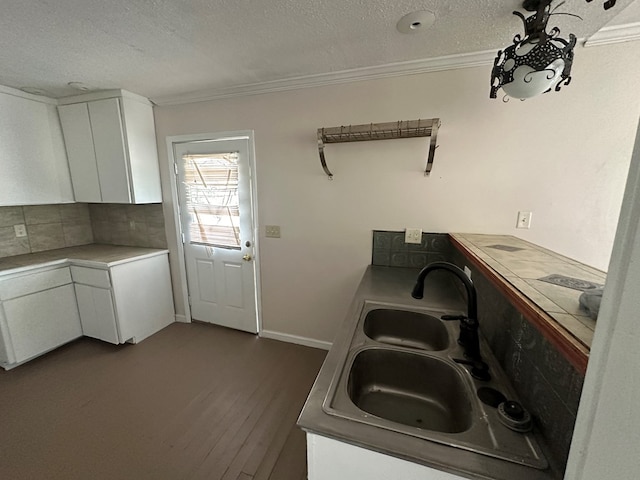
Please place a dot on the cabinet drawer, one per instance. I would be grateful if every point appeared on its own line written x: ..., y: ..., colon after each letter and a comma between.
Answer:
x: 91, y: 276
x: 34, y: 282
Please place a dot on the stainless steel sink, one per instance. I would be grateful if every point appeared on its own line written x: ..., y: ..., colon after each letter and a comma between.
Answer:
x: 406, y: 329
x: 413, y: 390
x: 403, y: 377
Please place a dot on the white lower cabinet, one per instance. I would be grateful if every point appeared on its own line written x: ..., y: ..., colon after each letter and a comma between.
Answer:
x: 97, y: 314
x: 126, y: 302
x: 38, y: 313
x: 46, y: 308
x: 42, y: 321
x: 330, y: 459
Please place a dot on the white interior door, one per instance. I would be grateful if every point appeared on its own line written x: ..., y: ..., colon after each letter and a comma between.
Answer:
x: 216, y: 212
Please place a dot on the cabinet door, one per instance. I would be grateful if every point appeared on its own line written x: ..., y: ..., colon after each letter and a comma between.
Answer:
x: 42, y: 321
x: 97, y: 313
x: 111, y: 153
x: 78, y: 138
x: 33, y: 162
x: 142, y: 296
x: 143, y: 153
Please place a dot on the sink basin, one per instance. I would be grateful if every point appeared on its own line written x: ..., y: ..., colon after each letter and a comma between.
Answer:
x: 396, y: 383
x: 406, y: 329
x: 410, y: 389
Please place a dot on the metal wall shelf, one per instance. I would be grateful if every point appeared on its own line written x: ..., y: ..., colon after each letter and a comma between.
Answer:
x: 380, y: 131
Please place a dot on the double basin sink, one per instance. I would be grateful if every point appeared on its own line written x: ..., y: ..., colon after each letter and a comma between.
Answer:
x: 400, y: 374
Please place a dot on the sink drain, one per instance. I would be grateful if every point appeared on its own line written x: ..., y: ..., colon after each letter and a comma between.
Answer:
x: 514, y: 416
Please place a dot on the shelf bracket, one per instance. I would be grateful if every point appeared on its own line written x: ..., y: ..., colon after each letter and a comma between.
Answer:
x: 380, y: 131
x: 433, y: 138
x: 321, y: 152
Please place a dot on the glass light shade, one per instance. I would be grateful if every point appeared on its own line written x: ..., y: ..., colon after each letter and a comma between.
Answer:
x: 538, y: 63
x: 528, y: 82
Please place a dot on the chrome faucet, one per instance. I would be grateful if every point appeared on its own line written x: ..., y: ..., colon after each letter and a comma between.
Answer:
x: 468, y: 337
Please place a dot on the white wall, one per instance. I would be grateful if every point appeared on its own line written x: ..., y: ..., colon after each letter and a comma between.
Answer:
x: 33, y: 161
x: 564, y: 156
x: 607, y: 433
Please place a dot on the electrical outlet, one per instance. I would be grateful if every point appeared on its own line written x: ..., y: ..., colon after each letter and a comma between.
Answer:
x: 21, y: 230
x: 413, y: 235
x: 524, y: 220
x: 272, y: 231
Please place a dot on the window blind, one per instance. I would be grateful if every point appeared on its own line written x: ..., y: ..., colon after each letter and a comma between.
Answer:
x: 211, y: 185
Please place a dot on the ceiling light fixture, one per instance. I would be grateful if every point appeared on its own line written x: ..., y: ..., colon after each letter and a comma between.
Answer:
x: 415, y: 22
x: 80, y: 86
x: 607, y: 5
x: 536, y: 63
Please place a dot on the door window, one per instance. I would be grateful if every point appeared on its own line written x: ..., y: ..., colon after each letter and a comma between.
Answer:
x: 211, y: 186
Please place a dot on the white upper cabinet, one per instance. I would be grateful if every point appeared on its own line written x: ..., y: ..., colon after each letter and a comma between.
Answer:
x: 33, y: 164
x: 109, y: 140
x: 79, y: 142
x: 111, y: 147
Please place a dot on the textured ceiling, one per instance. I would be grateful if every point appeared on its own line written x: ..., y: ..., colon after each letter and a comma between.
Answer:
x: 168, y: 47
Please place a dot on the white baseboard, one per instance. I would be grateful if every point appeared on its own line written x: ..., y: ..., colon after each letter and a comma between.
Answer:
x: 285, y: 337
x: 181, y: 319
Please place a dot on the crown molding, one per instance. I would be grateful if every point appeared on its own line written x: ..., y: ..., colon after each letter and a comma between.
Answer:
x: 413, y: 67
x: 605, y: 36
x: 614, y: 34
x: 101, y: 95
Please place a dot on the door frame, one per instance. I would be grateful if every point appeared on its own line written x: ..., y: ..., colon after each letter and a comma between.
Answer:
x: 173, y: 179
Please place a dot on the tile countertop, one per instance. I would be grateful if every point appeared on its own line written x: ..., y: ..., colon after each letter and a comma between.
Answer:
x: 108, y: 255
x: 523, y: 264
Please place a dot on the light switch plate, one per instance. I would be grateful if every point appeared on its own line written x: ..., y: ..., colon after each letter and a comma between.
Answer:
x: 413, y: 235
x: 272, y: 231
x: 21, y: 230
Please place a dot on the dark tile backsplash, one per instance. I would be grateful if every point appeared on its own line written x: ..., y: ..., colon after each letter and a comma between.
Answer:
x: 390, y: 250
x: 548, y: 385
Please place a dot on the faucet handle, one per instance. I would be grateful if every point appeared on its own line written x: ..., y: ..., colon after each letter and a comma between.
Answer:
x: 453, y: 317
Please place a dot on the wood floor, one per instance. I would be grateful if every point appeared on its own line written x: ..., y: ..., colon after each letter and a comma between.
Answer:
x: 194, y: 401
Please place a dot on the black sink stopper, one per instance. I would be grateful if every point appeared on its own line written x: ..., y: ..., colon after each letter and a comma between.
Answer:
x: 514, y: 416
x: 513, y: 410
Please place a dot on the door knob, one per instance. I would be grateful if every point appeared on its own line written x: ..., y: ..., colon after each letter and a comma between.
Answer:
x: 247, y: 257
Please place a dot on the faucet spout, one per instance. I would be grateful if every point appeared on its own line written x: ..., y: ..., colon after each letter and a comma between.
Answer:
x: 468, y: 337
x: 472, y: 302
